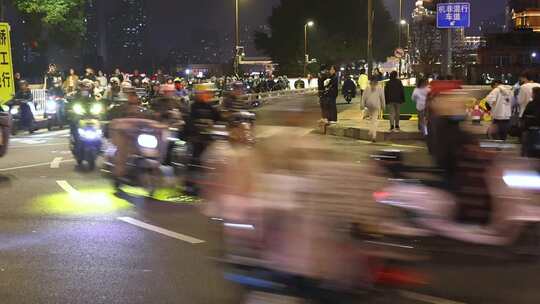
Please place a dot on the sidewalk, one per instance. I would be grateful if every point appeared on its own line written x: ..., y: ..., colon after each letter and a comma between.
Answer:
x: 351, y: 125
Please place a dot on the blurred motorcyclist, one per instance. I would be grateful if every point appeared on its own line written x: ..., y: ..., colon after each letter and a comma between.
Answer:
x: 233, y: 99
x: 180, y: 87
x: 349, y: 89
x: 26, y: 114
x: 203, y: 115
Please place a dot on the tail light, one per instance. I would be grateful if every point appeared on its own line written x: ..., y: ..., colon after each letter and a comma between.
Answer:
x: 381, y: 196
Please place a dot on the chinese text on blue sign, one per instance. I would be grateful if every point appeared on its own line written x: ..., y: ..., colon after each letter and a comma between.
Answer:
x: 453, y: 15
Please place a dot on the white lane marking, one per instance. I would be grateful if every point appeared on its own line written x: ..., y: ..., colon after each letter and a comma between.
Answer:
x: 33, y: 166
x: 42, y: 145
x: 32, y: 141
x: 160, y: 230
x: 68, y: 188
x: 55, y: 164
x: 50, y: 134
x: 425, y: 298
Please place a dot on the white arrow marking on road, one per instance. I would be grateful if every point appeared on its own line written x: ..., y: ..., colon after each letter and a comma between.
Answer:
x: 55, y: 164
x: 426, y: 299
x: 68, y: 188
x: 33, y: 166
x: 160, y: 230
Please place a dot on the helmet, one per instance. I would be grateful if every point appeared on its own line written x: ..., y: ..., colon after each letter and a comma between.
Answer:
x: 115, y: 80
x: 177, y: 79
x: 205, y: 92
x: 146, y: 80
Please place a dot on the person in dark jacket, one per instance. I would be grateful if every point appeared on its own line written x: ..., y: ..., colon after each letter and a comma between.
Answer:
x: 394, y: 94
x: 323, y: 75
x: 331, y: 92
x: 531, y: 126
x: 349, y: 88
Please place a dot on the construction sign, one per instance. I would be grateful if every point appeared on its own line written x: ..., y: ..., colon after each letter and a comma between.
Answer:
x: 7, y: 88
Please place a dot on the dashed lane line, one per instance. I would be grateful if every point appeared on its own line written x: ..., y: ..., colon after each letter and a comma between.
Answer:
x: 33, y: 166
x: 68, y: 188
x: 425, y: 298
x: 57, y: 161
x: 169, y: 233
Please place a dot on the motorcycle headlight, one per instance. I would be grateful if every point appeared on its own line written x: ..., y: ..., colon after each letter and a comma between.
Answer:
x: 96, y: 109
x: 90, y: 134
x: 14, y: 111
x: 51, y: 105
x: 147, y: 141
x: 78, y: 109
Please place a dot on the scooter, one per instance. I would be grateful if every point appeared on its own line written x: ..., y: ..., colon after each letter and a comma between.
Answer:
x: 146, y: 149
x: 429, y: 212
x: 86, y: 134
x: 55, y: 112
x: 22, y: 113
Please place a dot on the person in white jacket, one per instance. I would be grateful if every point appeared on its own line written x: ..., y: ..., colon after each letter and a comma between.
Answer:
x: 525, y: 91
x: 500, y: 101
x: 374, y: 100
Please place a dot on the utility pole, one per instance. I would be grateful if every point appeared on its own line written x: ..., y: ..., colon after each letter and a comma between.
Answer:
x: 237, y: 39
x: 447, y: 53
x: 2, y: 10
x: 399, y: 23
x: 370, y: 37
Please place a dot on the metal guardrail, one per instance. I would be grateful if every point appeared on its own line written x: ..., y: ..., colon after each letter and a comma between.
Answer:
x: 281, y: 93
x: 40, y: 100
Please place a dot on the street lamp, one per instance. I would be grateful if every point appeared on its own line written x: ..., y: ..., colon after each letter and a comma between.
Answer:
x: 237, y: 38
x: 403, y: 23
x: 306, y: 55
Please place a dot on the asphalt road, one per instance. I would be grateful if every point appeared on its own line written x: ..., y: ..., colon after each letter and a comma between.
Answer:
x: 66, y: 238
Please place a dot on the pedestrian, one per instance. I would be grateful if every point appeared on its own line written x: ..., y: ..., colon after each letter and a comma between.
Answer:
x: 331, y: 89
x: 72, y: 81
x: 89, y: 74
x: 51, y: 77
x: 419, y: 96
x: 374, y: 100
x: 323, y: 75
x: 526, y: 91
x: 16, y: 79
x: 394, y: 92
x: 363, y: 81
x: 378, y: 74
x: 102, y: 79
x: 118, y: 74
x: 500, y: 101
x: 531, y: 125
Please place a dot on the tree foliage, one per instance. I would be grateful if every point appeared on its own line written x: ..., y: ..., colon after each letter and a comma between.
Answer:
x: 339, y: 34
x: 63, y: 20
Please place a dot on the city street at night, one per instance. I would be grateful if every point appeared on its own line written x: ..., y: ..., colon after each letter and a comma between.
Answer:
x: 67, y: 238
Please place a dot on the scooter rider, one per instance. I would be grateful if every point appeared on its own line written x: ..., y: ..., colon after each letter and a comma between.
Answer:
x: 202, y: 117
x: 27, y: 116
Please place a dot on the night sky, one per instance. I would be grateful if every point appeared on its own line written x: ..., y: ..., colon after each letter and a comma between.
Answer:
x: 178, y: 19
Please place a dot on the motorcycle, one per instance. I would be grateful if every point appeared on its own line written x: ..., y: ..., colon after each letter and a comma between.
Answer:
x: 349, y: 96
x: 146, y: 147
x: 55, y: 112
x: 22, y: 113
x: 5, y: 125
x: 429, y: 210
x: 86, y: 134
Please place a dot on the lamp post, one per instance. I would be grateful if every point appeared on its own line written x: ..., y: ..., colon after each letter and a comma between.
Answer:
x: 306, y: 54
x: 400, y: 21
x: 370, y: 37
x: 403, y: 23
x: 237, y: 38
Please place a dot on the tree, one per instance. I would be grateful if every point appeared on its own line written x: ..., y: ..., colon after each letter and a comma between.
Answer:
x: 63, y: 20
x: 339, y: 34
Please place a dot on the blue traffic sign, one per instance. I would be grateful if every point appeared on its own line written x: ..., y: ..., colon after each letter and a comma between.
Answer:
x: 453, y: 15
